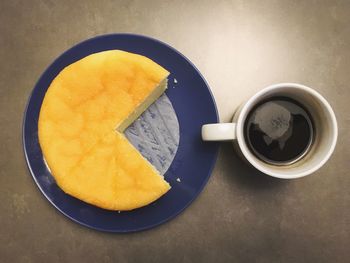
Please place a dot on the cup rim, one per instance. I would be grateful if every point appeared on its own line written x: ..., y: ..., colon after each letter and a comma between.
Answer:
x: 252, y: 159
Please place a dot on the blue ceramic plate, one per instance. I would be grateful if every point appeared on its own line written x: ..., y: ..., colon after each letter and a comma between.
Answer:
x: 193, y: 162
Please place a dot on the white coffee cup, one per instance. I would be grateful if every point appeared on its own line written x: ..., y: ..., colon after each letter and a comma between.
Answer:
x: 325, y: 126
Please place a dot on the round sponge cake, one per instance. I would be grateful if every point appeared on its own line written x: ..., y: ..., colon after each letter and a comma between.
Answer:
x: 84, y: 112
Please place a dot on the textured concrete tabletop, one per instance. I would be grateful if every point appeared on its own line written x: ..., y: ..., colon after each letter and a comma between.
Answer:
x: 240, y: 47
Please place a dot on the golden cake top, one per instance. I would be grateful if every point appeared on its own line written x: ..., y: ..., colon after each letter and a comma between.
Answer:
x: 81, y: 111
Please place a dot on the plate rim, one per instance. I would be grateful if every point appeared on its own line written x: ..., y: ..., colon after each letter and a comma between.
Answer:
x: 136, y: 229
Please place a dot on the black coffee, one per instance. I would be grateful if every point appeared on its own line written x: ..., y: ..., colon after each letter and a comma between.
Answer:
x: 279, y: 130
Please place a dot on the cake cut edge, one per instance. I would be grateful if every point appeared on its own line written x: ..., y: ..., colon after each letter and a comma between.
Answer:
x: 155, y: 94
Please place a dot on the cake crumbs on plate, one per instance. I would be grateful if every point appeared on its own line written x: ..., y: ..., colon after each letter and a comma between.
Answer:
x: 178, y: 179
x: 175, y: 80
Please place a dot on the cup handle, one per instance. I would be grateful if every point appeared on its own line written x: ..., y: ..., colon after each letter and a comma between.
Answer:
x: 219, y: 132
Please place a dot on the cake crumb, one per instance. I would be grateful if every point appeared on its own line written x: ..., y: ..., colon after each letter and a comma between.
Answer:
x: 175, y: 80
x: 178, y: 179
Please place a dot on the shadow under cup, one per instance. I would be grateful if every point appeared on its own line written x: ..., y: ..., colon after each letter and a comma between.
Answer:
x: 325, y: 130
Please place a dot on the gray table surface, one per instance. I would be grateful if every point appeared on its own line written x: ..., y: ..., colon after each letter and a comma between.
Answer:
x: 240, y: 47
